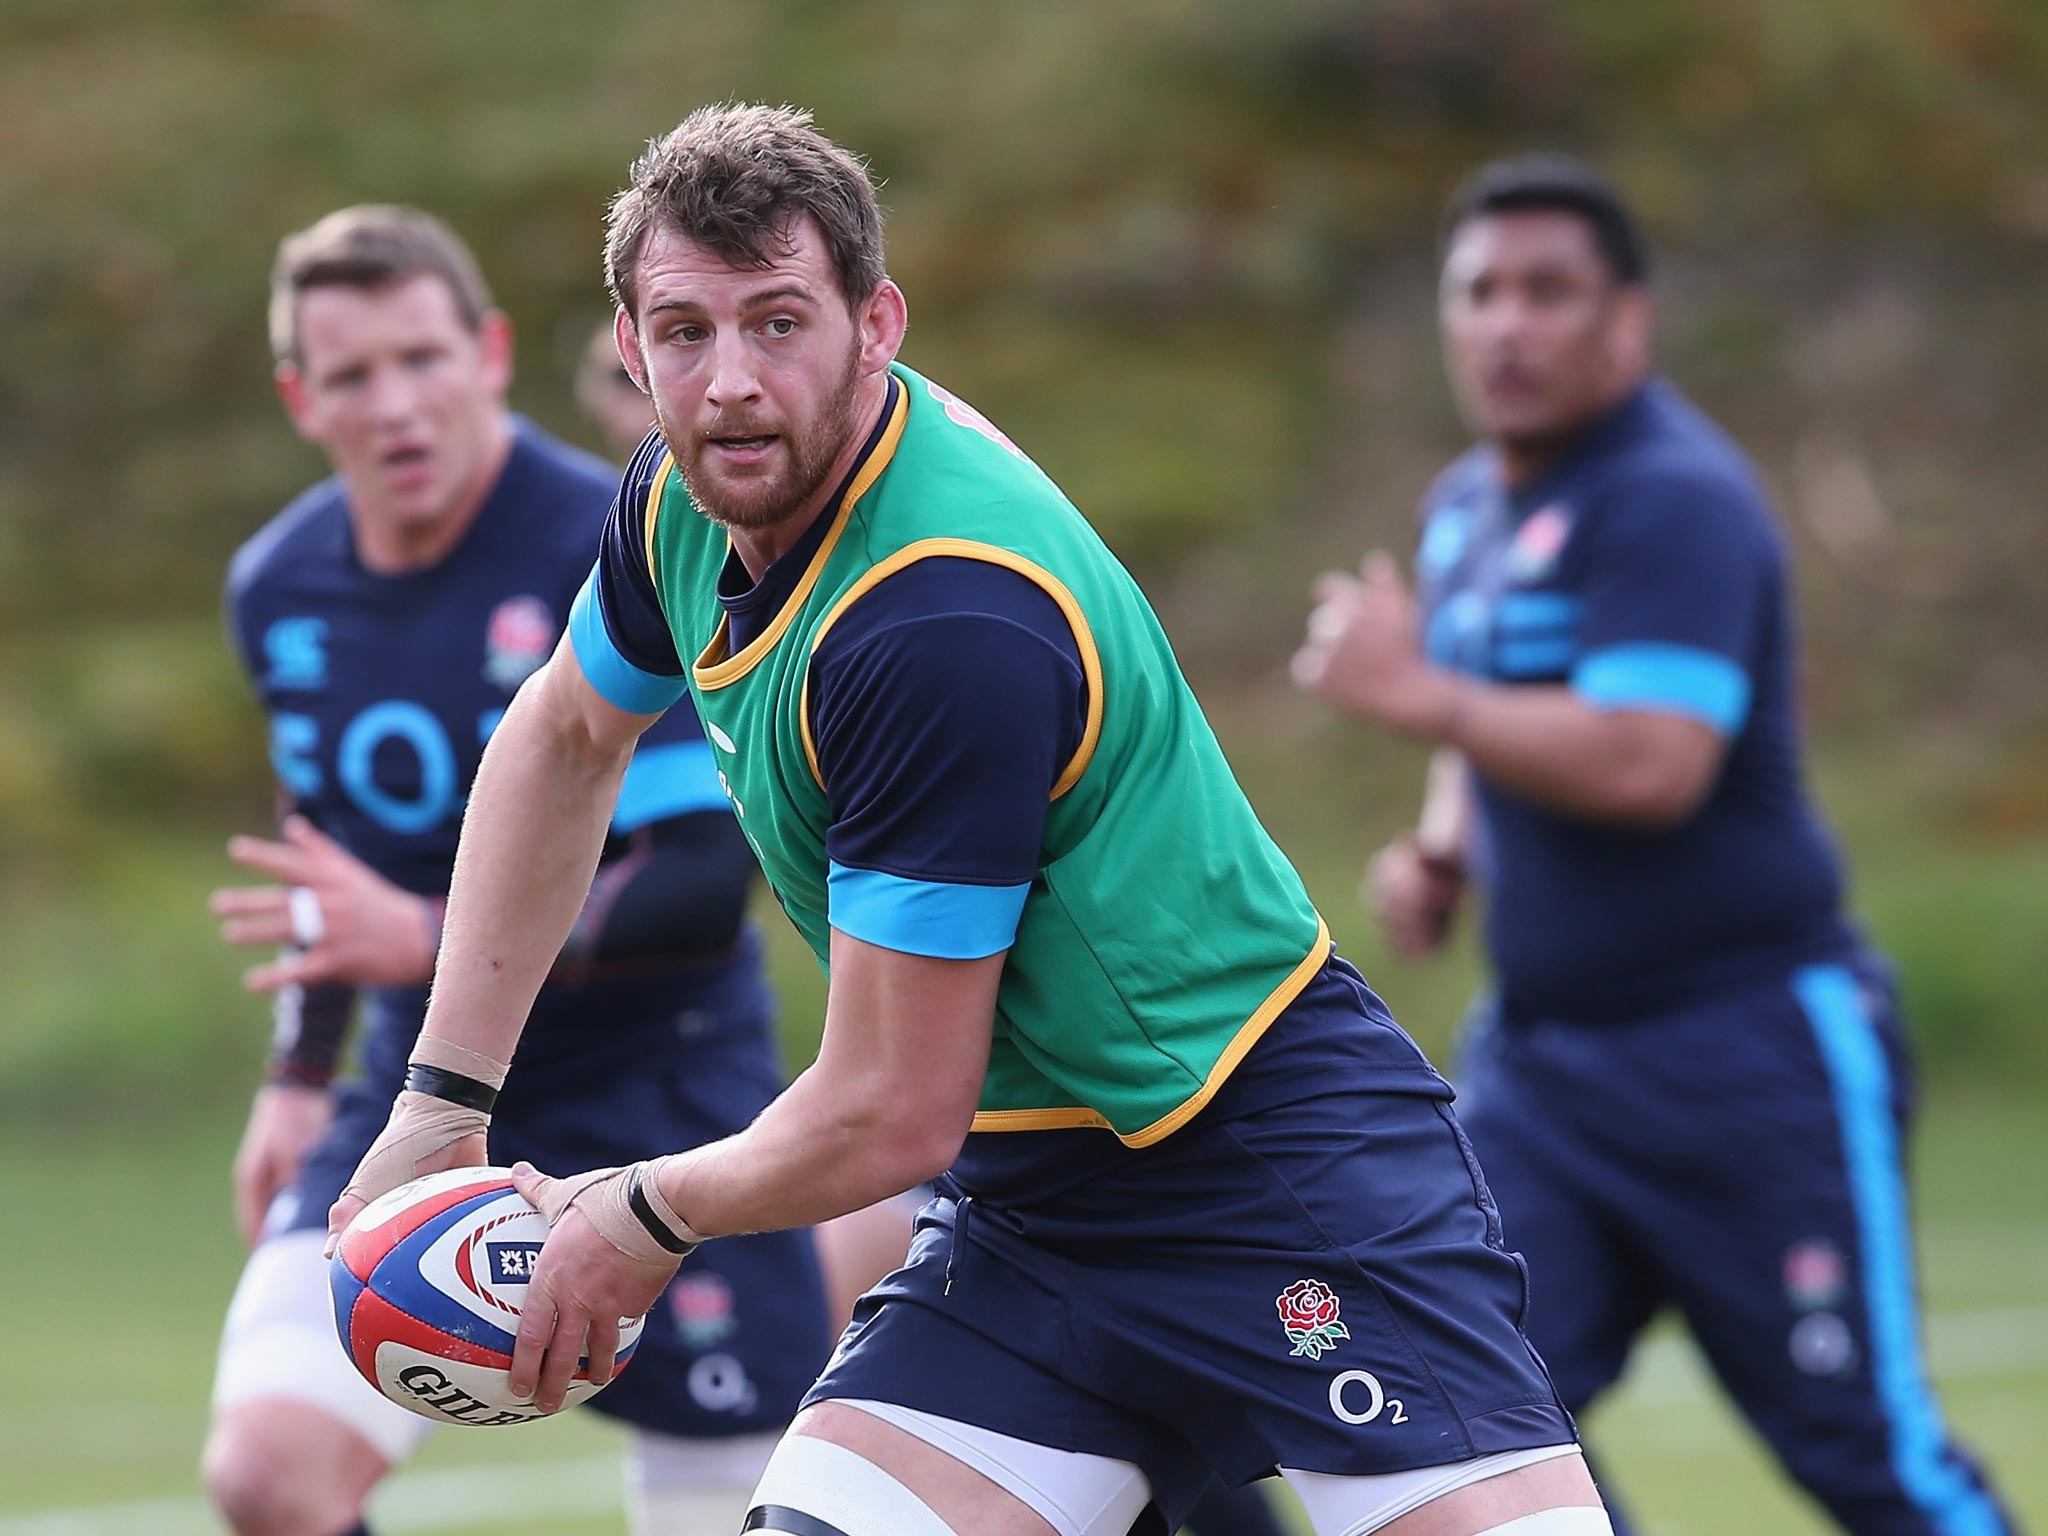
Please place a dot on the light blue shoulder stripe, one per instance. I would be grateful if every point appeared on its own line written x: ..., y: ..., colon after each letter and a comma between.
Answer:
x: 671, y: 779
x: 1861, y: 1082
x: 1678, y: 679
x: 924, y: 917
x: 617, y: 681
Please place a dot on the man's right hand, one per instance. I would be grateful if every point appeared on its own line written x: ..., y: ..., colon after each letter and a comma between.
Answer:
x: 284, y: 1122
x: 1415, y: 895
x: 424, y: 1135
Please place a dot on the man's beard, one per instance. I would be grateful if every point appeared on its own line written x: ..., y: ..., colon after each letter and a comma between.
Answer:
x: 765, y: 503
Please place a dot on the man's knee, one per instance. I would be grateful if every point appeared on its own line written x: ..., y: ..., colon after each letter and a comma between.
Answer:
x: 286, y: 1470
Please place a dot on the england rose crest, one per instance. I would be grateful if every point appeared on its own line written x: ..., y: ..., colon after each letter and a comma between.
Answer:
x: 1308, y: 1311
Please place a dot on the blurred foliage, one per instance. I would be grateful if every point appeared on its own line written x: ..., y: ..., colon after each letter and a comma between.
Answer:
x: 1181, y: 249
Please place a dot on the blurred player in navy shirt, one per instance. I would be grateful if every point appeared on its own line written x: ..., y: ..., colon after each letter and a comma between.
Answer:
x: 1690, y: 1088
x: 386, y: 618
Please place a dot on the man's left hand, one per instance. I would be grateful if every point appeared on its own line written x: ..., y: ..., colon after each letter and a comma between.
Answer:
x: 597, y: 1269
x: 1361, y: 653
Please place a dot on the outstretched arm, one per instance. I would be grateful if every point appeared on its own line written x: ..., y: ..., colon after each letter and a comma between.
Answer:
x: 886, y: 1105
x: 536, y: 823
x: 531, y: 838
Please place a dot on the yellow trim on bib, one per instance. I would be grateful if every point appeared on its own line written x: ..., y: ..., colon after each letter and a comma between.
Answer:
x: 713, y: 668
x: 969, y: 549
x: 661, y: 474
x: 1240, y: 1046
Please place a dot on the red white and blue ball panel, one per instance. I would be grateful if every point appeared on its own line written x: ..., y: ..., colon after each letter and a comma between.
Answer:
x: 427, y: 1285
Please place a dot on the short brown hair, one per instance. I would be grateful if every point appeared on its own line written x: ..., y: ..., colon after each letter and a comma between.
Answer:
x: 736, y: 179
x: 372, y: 245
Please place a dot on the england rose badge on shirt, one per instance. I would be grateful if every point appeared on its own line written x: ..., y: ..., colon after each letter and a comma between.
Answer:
x: 517, y: 640
x: 1539, y: 541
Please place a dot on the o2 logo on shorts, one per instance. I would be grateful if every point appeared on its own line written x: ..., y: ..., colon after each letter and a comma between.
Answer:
x: 1357, y: 1397
x: 719, y: 1384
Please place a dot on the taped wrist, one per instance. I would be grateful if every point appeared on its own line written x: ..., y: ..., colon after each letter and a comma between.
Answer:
x: 420, y: 1126
x: 455, y: 1073
x: 628, y: 1209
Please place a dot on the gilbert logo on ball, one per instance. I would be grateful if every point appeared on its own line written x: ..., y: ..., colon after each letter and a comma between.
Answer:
x: 427, y: 1284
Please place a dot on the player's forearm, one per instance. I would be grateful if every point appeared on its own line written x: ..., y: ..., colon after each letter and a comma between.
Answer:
x: 1443, y: 831
x: 886, y: 1105
x: 813, y: 1154
x: 531, y: 837
x: 1549, y: 746
x: 309, y: 1029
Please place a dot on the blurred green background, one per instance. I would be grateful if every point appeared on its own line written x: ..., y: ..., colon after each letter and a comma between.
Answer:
x: 1182, y: 250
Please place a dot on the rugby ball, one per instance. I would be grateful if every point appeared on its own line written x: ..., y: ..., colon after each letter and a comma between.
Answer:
x: 427, y: 1283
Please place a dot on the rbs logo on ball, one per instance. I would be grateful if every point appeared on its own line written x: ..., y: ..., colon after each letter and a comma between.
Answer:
x: 512, y: 1263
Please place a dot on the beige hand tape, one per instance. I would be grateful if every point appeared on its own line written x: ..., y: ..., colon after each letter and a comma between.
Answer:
x: 420, y: 1125
x: 433, y: 1051
x: 601, y: 1196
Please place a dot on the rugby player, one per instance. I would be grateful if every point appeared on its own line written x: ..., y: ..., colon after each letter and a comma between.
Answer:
x: 1203, y: 1205
x: 1689, y: 1085
x: 386, y: 618
x: 856, y: 1250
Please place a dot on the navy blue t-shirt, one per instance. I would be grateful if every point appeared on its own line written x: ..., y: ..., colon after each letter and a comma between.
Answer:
x: 381, y: 690
x: 944, y: 704
x: 1644, y: 572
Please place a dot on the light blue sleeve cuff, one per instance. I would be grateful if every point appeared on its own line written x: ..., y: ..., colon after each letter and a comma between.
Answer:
x: 925, y: 917
x: 1677, y: 679
x: 672, y: 779
x: 617, y: 681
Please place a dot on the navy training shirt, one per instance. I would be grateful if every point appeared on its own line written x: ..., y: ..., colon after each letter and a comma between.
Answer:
x: 944, y: 704
x: 381, y: 690
x: 1644, y: 572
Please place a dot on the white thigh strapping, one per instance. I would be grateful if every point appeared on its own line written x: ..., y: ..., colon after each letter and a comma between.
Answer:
x: 1355, y: 1506
x: 842, y: 1488
x: 279, y: 1342
x: 1076, y: 1493
x: 1577, y: 1520
x: 675, y: 1484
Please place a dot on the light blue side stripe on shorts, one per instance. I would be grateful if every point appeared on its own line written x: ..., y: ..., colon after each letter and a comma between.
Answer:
x: 1861, y: 1080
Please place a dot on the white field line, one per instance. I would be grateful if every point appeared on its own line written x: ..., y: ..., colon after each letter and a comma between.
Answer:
x: 1665, y: 1373
x: 455, y: 1499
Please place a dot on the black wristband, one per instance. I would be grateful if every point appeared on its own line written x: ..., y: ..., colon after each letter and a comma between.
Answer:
x: 636, y: 1201
x: 439, y: 1083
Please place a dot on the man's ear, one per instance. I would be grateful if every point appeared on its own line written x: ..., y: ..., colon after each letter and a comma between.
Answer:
x: 494, y: 338
x: 291, y: 393
x: 883, y: 320
x: 627, y: 339
x: 1633, y: 335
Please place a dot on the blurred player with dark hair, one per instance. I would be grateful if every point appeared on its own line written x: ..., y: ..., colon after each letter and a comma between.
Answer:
x: 1690, y: 1089
x: 386, y: 618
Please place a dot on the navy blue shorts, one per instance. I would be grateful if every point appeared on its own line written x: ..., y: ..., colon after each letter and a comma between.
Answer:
x: 743, y: 1330
x: 1319, y: 1285
x: 1740, y: 1159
